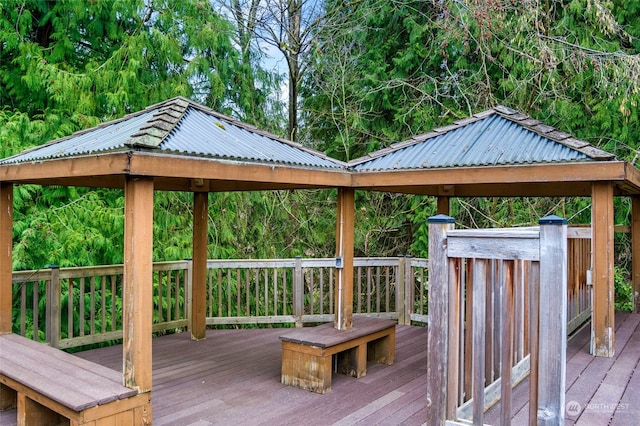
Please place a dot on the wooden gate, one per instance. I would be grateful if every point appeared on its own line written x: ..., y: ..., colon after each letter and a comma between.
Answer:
x: 497, y: 313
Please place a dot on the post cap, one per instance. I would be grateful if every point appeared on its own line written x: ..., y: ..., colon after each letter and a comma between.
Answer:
x: 441, y: 218
x: 552, y: 220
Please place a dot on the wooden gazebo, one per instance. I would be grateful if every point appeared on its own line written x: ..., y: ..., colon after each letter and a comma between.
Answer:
x: 179, y: 145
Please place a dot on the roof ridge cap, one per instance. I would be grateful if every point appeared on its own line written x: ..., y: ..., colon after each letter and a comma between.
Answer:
x: 553, y: 133
x: 161, y: 123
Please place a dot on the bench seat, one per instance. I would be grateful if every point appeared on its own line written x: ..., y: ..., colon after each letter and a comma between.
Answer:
x: 47, y: 383
x: 308, y: 353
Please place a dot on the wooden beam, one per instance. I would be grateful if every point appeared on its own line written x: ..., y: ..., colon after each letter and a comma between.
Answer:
x: 198, y: 295
x: 635, y: 252
x: 137, y: 283
x: 602, y: 249
x: 612, y: 171
x: 92, y: 167
x: 344, y: 258
x: 163, y: 166
x: 6, y: 256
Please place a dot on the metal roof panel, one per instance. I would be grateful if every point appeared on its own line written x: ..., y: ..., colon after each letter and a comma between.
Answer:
x: 489, y: 140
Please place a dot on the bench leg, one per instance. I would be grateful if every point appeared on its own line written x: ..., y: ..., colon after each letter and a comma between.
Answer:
x: 31, y: 413
x: 8, y: 398
x: 383, y: 350
x: 353, y: 362
x: 306, y: 371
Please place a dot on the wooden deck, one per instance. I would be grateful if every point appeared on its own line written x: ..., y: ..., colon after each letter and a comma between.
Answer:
x: 233, y: 377
x: 600, y: 391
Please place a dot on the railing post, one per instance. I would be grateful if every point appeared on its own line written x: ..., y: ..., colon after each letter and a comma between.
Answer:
x: 188, y: 309
x: 298, y: 292
x: 52, y: 326
x: 409, y: 290
x: 552, y: 321
x: 401, y: 299
x: 438, y: 324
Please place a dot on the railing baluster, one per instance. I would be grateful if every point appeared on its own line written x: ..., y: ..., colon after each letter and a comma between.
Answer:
x: 92, y: 308
x: 103, y: 304
x: 70, y: 310
x: 114, y: 318
x: 82, y: 307
x: 35, y: 310
x: 479, y: 338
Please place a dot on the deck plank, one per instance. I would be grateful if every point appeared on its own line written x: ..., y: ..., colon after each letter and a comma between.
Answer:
x: 601, y: 388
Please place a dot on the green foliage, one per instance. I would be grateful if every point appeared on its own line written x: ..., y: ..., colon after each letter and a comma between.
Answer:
x: 623, y: 290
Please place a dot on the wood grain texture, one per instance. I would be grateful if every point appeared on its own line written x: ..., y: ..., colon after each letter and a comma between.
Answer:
x: 137, y: 315
x: 603, y: 282
x: 6, y: 253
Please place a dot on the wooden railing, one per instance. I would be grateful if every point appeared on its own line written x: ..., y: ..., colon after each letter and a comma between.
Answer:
x: 498, y: 312
x: 72, y: 307
x: 239, y: 292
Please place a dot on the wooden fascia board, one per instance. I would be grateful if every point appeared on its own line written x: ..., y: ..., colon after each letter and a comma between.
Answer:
x: 65, y: 169
x: 613, y: 171
x: 264, y: 175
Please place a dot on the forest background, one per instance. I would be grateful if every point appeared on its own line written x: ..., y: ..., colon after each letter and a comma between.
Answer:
x: 356, y: 76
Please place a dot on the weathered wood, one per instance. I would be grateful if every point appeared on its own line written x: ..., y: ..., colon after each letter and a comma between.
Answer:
x: 138, y: 283
x: 479, y: 339
x: 345, y: 223
x: 198, y: 295
x: 6, y: 257
x: 534, y: 340
x: 635, y: 251
x: 507, y: 342
x: 52, y: 386
x: 454, y: 335
x: 438, y: 328
x: 52, y: 325
x: 505, y: 245
x: 298, y: 292
x: 8, y: 398
x: 552, y: 321
x: 603, y: 282
x: 307, y: 353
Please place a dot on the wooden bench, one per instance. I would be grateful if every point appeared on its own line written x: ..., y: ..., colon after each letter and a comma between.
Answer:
x: 308, y: 353
x: 49, y: 386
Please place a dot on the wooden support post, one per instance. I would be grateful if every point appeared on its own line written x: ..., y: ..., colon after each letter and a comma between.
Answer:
x: 438, y: 327
x: 602, y: 255
x: 53, y: 308
x: 409, y: 289
x: 137, y: 283
x: 552, y: 353
x: 6, y: 256
x: 635, y: 252
x: 443, y: 205
x: 198, y: 320
x: 344, y: 258
x: 401, y: 297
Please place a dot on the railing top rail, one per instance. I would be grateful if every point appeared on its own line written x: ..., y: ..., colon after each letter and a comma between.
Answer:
x: 573, y: 232
x: 117, y: 269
